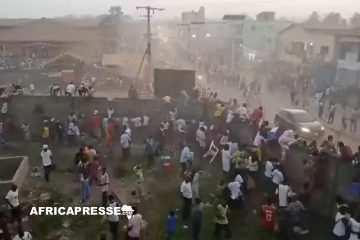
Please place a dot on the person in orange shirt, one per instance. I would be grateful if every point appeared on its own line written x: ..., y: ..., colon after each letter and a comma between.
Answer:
x: 110, y: 136
x: 96, y: 125
x: 46, y: 132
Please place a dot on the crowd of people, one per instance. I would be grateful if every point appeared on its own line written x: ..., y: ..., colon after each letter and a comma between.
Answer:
x: 12, y: 64
x: 286, y: 210
x: 84, y: 89
x: 211, y: 138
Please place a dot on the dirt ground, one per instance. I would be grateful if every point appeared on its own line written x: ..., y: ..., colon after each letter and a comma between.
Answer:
x: 162, y: 187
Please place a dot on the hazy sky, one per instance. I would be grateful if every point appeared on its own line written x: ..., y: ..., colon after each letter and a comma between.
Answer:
x: 214, y: 8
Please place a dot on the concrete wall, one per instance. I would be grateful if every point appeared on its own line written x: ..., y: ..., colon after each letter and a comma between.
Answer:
x: 332, y: 177
x: 13, y: 170
x: 299, y: 34
x: 261, y: 36
x: 22, y: 109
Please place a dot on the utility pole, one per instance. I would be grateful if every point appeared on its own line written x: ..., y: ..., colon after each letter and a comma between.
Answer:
x: 149, y: 12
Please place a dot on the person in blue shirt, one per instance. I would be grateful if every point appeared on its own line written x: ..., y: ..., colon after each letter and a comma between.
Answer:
x: 354, y: 189
x: 171, y: 225
x: 186, y: 157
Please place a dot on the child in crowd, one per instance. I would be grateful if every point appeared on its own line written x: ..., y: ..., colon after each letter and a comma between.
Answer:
x: 171, y: 225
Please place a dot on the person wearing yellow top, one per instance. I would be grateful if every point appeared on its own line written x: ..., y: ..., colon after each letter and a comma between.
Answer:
x: 241, y: 163
x: 219, y: 110
x: 220, y: 188
x: 221, y: 221
x: 45, y: 132
x: 240, y: 158
x: 140, y: 179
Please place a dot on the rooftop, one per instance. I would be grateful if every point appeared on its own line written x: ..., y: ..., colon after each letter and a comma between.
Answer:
x: 45, y: 30
x: 236, y: 17
x: 339, y: 31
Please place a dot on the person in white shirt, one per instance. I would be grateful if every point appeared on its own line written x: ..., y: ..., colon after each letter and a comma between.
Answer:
x: 12, y: 200
x: 4, y: 108
x: 269, y: 167
x: 22, y: 235
x: 229, y: 117
x: 243, y: 112
x: 46, y: 157
x: 70, y: 89
x: 72, y: 133
x: 137, y: 122
x: 284, y: 192
x: 341, y: 219
x: 32, y: 88
x: 125, y: 141
x: 185, y: 96
x: 235, y: 192
x: 318, y: 96
x: 134, y: 225
x: 186, y: 157
x: 285, y: 141
x: 195, y: 184
x: 201, y: 137
x: 224, y: 140
x: 180, y: 125
x: 239, y: 179
x: 253, y: 164
x: 203, y: 124
x: 172, y: 115
x: 355, y: 228
x: 186, y: 193
x: 258, y: 140
x: 277, y: 178
x: 226, y: 161
x: 114, y: 218
x: 110, y: 112
x: 104, y: 184
x: 105, y: 124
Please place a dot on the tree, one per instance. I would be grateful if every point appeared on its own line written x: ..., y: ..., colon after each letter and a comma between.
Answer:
x: 115, y: 11
x: 314, y: 18
x: 333, y: 19
x: 355, y: 20
x: 343, y: 22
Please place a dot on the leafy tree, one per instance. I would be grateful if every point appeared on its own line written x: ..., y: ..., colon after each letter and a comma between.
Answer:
x: 115, y: 11
x: 333, y: 19
x: 314, y: 18
x: 355, y: 20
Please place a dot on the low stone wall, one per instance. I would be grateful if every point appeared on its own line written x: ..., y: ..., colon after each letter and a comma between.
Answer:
x: 22, y: 108
x: 333, y: 177
x: 13, y: 170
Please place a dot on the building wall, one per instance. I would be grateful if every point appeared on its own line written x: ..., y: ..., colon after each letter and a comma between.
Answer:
x: 348, y: 62
x: 261, y: 36
x: 13, y: 48
x: 349, y: 58
x: 300, y: 35
x: 88, y: 50
x: 193, y: 16
x: 22, y: 109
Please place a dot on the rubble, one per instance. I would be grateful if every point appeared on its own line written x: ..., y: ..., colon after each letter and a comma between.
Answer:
x: 45, y: 196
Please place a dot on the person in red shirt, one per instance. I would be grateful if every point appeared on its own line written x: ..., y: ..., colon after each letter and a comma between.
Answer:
x: 256, y: 116
x: 110, y: 137
x: 268, y: 219
x: 96, y: 125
